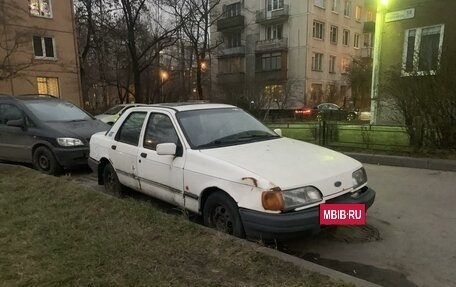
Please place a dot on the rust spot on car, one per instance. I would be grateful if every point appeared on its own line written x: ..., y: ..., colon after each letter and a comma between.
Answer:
x: 254, y: 180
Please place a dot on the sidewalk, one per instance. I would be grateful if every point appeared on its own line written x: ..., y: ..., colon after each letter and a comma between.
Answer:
x: 403, y: 161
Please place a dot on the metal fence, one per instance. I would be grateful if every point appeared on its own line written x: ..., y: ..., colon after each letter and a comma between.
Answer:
x: 349, y: 135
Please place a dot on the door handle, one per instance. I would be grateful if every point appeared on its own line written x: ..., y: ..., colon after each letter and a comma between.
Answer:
x: 113, y: 147
x: 143, y: 154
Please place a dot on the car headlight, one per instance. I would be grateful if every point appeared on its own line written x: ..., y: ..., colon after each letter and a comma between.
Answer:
x: 359, y: 177
x: 290, y: 199
x: 69, y: 142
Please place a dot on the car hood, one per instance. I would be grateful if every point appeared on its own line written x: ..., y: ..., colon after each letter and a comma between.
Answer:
x: 291, y: 163
x: 106, y: 118
x: 79, y: 129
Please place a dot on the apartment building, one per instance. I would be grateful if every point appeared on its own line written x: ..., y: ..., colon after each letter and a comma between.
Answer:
x: 38, y: 49
x: 289, y: 53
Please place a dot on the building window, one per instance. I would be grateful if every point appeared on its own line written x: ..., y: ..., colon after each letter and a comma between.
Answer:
x: 274, y: 93
x: 369, y: 16
x: 335, y: 6
x: 231, y: 65
x: 232, y: 10
x: 318, y: 30
x: 346, y: 37
x: 345, y: 65
x: 274, y: 5
x: 332, y: 64
x: 271, y: 61
x: 333, y: 34
x: 48, y: 86
x: 233, y: 40
x: 40, y: 8
x: 274, y: 32
x: 317, y: 62
x: 356, y: 40
x: 316, y: 93
x: 358, y: 13
x: 43, y: 47
x: 347, y: 8
x: 423, y: 49
x: 319, y: 3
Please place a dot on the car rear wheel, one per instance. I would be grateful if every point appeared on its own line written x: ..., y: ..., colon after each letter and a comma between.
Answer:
x: 111, y: 181
x: 221, y: 213
x: 45, y: 161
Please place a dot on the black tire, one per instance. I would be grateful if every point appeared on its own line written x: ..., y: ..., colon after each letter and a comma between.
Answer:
x: 111, y: 181
x: 45, y: 161
x: 221, y: 213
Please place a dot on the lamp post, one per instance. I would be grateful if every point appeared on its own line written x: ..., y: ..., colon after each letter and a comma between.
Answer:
x: 379, y: 22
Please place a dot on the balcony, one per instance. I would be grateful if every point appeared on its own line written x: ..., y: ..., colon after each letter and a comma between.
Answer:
x: 276, y: 16
x: 230, y: 52
x: 271, y: 76
x: 236, y: 22
x: 369, y: 27
x: 271, y: 45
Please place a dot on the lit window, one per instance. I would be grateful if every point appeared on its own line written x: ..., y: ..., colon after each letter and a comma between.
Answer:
x: 43, y: 47
x: 318, y: 30
x: 345, y: 64
x: 317, y: 62
x: 356, y: 41
x: 40, y: 8
x: 333, y: 34
x: 48, y: 86
x: 347, y: 8
x: 346, y: 37
x: 422, y: 49
x: 273, y: 93
x: 358, y: 13
x: 332, y: 64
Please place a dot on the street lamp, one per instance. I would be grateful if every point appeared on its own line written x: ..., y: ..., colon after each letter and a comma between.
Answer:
x: 379, y: 22
x: 163, y: 76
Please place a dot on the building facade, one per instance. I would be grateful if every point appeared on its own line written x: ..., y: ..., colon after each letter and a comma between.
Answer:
x: 38, y: 49
x: 288, y: 53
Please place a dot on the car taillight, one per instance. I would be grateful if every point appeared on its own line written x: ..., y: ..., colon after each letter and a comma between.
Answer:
x: 307, y: 111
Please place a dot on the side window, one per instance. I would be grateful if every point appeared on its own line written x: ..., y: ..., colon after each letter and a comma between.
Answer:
x: 8, y: 113
x: 130, y: 130
x: 159, y: 129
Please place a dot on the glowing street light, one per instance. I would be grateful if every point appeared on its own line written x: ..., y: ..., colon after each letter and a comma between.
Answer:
x: 379, y: 22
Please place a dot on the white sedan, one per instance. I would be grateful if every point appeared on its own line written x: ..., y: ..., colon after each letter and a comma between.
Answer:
x: 220, y: 162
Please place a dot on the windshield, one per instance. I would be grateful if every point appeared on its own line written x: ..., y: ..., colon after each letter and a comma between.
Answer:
x: 222, y: 127
x: 114, y: 110
x: 56, y: 111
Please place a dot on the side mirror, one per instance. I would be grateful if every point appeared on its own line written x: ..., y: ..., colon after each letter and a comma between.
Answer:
x: 166, y: 149
x: 278, y: 131
x: 16, y: 123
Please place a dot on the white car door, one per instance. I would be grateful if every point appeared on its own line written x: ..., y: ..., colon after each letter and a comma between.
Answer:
x: 124, y: 149
x: 161, y: 176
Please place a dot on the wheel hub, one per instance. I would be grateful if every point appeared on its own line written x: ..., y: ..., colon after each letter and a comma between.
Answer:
x: 222, y: 220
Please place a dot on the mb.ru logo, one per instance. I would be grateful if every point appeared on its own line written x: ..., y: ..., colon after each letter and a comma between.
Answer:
x: 342, y: 214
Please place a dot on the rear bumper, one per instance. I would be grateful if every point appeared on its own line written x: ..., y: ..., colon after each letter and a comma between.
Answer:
x: 267, y: 226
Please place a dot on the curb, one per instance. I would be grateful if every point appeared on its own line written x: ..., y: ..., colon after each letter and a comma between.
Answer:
x: 403, y: 161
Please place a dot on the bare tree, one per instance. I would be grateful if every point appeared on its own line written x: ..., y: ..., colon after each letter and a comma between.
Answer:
x: 360, y: 77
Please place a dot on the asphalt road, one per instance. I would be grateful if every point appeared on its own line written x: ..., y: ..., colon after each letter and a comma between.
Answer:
x: 410, y: 239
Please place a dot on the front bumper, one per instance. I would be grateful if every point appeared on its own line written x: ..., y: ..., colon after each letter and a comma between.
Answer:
x: 267, y: 226
x: 71, y: 157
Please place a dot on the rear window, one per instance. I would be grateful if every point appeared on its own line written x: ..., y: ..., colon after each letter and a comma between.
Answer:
x: 56, y: 111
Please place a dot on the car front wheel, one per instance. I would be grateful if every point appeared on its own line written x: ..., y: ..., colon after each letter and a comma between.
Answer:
x: 45, y: 161
x: 221, y: 213
x: 111, y: 181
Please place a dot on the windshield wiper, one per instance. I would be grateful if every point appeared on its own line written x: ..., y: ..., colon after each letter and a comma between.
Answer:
x: 233, y: 139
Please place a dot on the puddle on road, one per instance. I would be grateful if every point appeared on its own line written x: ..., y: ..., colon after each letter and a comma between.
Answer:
x: 383, y: 277
x: 348, y: 235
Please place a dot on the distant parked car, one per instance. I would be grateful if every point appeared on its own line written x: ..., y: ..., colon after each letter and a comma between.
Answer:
x: 50, y: 133
x: 327, y: 111
x: 111, y: 115
x: 220, y: 162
